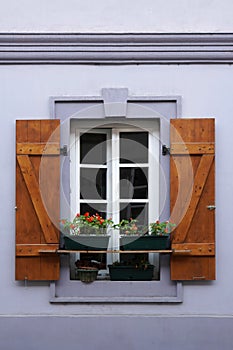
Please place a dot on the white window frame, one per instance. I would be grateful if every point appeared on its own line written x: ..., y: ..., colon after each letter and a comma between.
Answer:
x: 113, y: 191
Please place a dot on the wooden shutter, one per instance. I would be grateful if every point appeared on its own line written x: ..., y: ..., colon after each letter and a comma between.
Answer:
x: 192, y: 199
x: 37, y: 199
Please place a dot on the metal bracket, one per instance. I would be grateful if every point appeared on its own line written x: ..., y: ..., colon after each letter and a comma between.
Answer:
x: 165, y: 150
x: 64, y: 151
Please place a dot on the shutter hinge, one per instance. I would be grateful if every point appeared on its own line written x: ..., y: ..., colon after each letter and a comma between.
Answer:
x: 165, y: 150
x: 64, y: 151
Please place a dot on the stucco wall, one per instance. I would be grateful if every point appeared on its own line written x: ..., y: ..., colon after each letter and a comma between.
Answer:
x: 116, y: 16
x: 25, y: 92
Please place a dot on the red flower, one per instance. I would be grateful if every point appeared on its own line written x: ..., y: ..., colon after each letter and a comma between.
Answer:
x: 77, y: 215
x: 86, y: 214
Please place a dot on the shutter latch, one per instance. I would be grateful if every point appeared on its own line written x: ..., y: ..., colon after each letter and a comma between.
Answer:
x: 165, y: 150
x: 63, y: 151
x: 211, y: 207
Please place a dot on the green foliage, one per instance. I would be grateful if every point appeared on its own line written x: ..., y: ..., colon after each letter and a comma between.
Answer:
x: 161, y: 228
x: 86, y: 223
x: 130, y: 227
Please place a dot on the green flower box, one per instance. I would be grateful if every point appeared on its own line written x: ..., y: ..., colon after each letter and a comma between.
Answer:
x: 86, y: 242
x: 131, y: 273
x: 149, y: 242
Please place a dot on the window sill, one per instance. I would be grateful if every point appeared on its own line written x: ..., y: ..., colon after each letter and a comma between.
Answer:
x: 106, y: 291
x: 178, y: 298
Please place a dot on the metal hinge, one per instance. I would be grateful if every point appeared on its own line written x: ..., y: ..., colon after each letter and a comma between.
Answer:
x: 64, y: 151
x: 165, y: 150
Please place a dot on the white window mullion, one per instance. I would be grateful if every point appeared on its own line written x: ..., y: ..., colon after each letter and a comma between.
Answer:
x: 130, y: 200
x: 115, y: 175
x: 74, y: 173
x: 153, y: 186
x: 93, y: 166
x: 153, y: 177
x: 109, y: 174
x: 134, y: 165
x: 115, y: 190
x: 98, y: 201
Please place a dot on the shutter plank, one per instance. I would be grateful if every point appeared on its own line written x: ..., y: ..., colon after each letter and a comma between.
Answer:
x: 192, y: 148
x: 26, y: 230
x: 195, y: 249
x: 197, y: 190
x: 192, y: 190
x: 35, y: 249
x: 33, y: 189
x: 38, y: 148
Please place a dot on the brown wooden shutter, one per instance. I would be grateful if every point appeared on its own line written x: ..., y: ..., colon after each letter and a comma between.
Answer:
x: 37, y: 199
x: 192, y: 176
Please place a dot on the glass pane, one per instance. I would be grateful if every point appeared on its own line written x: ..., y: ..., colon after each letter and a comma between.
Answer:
x: 93, y: 208
x: 133, y: 183
x: 93, y: 183
x: 134, y: 147
x: 137, y: 211
x: 93, y: 148
x: 98, y: 258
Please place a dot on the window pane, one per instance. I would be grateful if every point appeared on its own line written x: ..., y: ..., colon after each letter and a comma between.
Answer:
x: 134, y: 147
x: 93, y: 183
x: 93, y: 148
x: 98, y: 258
x: 137, y: 211
x: 93, y: 208
x: 133, y: 183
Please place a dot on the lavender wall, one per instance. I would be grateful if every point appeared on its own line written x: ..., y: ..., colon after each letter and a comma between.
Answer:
x: 25, y: 92
x: 131, y: 333
x: 204, y: 319
x: 75, y: 16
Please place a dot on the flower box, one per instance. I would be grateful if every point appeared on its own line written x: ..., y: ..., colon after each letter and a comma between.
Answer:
x: 86, y: 242
x: 147, y: 242
x: 131, y: 273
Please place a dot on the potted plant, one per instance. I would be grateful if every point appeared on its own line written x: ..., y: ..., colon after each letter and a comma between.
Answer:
x: 86, y: 232
x: 134, y: 237
x: 86, y: 270
x: 132, y: 270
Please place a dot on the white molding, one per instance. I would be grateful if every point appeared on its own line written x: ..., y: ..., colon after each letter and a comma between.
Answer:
x: 116, y: 48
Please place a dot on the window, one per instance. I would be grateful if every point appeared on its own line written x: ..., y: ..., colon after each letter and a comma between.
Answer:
x: 40, y: 200
x: 115, y: 173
